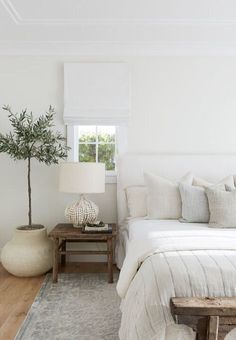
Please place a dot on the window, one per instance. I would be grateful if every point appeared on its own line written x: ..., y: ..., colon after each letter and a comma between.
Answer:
x: 97, y: 144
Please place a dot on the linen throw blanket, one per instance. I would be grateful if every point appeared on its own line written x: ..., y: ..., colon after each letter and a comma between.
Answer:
x: 175, y: 263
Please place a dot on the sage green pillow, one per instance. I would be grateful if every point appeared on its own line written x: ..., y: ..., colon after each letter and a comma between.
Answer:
x: 194, y: 204
x: 222, y: 207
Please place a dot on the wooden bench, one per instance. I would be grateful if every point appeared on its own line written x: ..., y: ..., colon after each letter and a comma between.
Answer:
x: 211, y: 318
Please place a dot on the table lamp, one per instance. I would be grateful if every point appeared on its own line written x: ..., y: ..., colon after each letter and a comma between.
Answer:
x: 82, y: 178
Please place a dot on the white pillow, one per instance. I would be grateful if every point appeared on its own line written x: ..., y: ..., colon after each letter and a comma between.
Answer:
x: 222, y: 206
x: 137, y: 200
x: 163, y: 200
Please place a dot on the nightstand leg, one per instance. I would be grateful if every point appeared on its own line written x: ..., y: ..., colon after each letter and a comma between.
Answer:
x: 110, y: 260
x: 55, y: 260
x: 63, y: 257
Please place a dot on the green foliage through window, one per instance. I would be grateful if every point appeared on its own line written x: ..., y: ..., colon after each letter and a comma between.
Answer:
x: 98, y: 146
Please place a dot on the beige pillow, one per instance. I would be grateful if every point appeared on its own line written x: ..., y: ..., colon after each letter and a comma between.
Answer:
x: 199, y: 182
x: 229, y: 188
x: 163, y: 199
x: 229, y: 180
x: 234, y: 180
x: 137, y: 200
x: 195, y: 207
x: 222, y: 206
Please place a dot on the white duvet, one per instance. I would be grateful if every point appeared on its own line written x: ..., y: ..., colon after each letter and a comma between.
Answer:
x: 187, y: 262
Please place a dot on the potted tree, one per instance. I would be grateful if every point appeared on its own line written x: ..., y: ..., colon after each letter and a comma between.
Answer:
x: 29, y: 253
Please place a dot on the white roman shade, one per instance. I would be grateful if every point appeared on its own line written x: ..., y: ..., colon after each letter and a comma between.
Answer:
x: 96, y: 93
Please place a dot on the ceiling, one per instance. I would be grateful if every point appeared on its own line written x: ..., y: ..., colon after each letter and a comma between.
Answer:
x: 116, y: 27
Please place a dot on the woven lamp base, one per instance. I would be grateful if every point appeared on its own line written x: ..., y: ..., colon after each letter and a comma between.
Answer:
x: 81, y: 212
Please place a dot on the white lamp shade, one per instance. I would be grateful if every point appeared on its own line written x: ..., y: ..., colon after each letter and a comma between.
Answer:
x: 82, y: 178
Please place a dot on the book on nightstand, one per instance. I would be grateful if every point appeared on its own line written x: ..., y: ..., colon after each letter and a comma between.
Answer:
x: 97, y: 229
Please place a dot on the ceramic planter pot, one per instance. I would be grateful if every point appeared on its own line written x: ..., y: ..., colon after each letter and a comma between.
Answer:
x: 28, y: 253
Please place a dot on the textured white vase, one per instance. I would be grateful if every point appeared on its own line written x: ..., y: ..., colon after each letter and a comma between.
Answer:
x: 28, y: 253
x: 82, y: 212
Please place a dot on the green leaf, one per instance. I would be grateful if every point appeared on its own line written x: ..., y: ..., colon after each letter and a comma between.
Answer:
x: 31, y: 138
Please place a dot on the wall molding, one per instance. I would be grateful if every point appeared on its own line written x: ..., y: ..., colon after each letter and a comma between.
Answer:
x: 19, y: 20
x: 11, y: 10
x: 116, y: 48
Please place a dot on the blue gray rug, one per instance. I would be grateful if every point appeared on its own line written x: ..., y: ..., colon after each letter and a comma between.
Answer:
x: 78, y: 307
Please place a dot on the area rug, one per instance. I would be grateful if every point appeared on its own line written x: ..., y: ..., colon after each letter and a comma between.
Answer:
x: 78, y: 307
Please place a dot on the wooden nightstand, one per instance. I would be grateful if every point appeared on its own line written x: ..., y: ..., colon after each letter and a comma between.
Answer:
x: 65, y: 232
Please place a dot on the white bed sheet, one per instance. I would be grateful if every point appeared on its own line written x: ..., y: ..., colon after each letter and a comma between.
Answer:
x: 178, y: 259
x: 143, y: 228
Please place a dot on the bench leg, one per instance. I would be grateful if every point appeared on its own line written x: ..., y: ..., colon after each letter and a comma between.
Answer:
x: 213, y: 326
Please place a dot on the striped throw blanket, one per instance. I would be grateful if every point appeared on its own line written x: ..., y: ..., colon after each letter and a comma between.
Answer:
x: 176, y: 263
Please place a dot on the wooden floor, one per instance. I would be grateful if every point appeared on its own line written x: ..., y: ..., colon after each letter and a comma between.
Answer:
x: 17, y: 295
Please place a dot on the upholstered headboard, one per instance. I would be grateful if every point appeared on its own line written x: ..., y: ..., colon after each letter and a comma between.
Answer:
x: 132, y: 166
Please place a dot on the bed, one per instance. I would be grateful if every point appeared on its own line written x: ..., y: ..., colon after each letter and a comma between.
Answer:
x: 160, y: 259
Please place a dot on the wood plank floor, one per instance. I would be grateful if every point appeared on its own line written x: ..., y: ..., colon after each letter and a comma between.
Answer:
x: 17, y: 295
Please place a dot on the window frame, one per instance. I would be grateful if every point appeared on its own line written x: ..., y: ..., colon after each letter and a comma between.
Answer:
x: 73, y: 143
x: 97, y: 143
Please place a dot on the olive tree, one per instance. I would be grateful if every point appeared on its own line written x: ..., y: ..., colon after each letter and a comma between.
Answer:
x: 33, y: 138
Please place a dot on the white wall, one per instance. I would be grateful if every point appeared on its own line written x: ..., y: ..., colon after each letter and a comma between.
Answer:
x: 184, y: 105
x: 179, y: 105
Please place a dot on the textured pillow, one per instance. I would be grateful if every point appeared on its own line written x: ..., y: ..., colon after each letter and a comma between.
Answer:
x: 195, y: 207
x: 194, y: 204
x: 222, y: 206
x: 234, y: 180
x: 201, y: 182
x: 163, y: 200
x: 229, y: 180
x: 137, y: 200
x: 229, y: 188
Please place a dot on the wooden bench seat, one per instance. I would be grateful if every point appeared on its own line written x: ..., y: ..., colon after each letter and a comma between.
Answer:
x: 211, y: 318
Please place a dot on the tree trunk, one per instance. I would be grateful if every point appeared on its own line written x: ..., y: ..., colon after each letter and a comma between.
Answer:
x: 29, y: 194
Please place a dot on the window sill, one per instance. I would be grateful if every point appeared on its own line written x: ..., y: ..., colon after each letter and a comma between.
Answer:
x: 111, y: 177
